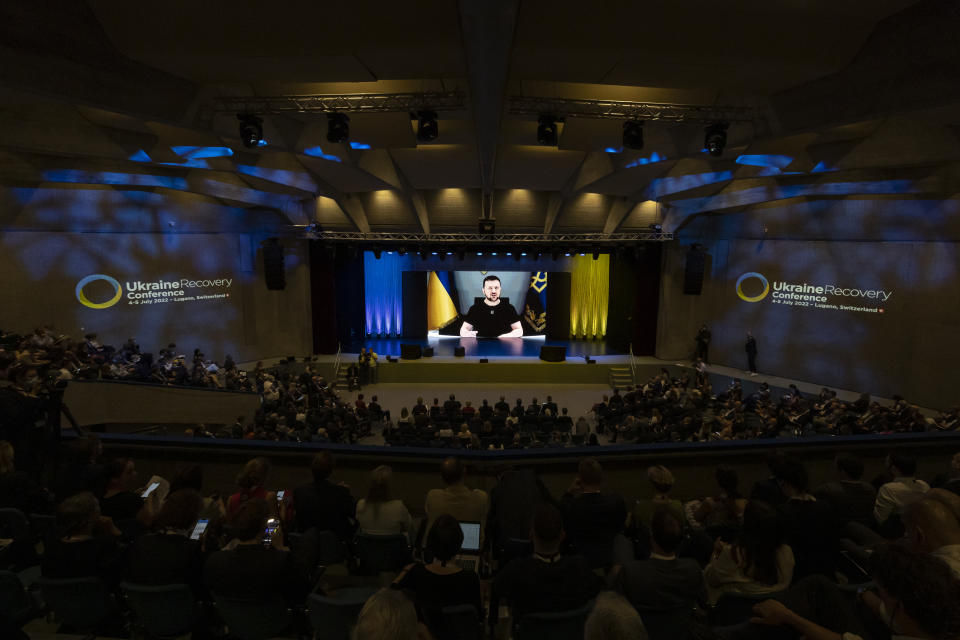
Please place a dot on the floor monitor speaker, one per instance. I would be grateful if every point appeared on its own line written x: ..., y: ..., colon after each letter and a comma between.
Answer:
x: 410, y: 351
x: 553, y: 354
x: 428, y: 352
x: 459, y: 352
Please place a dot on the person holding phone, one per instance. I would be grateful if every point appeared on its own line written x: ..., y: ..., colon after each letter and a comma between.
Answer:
x: 133, y: 510
x: 248, y: 569
x: 169, y: 554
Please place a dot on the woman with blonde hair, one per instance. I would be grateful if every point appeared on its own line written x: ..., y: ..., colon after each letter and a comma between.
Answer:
x: 380, y: 513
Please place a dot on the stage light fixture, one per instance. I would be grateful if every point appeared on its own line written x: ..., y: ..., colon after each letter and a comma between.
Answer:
x: 715, y: 138
x: 402, y: 250
x: 442, y: 255
x: 251, y: 129
x: 547, y: 130
x: 427, y: 127
x: 656, y: 226
x: 423, y: 254
x: 633, y: 134
x: 596, y: 253
x: 376, y: 252
x: 338, y: 127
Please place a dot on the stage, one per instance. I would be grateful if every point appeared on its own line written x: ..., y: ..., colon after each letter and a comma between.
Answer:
x: 526, y: 347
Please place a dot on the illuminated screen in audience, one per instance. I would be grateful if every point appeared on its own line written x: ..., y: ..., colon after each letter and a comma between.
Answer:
x: 487, y: 304
x: 471, y: 536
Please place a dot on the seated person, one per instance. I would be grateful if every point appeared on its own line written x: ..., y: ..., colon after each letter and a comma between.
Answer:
x: 932, y: 526
x: 915, y: 592
x: 388, y: 615
x: 661, y: 481
x: 664, y: 583
x: 122, y: 501
x: 18, y: 490
x: 547, y: 580
x: 441, y: 583
x: 322, y: 504
x: 88, y: 543
x: 247, y: 569
x: 724, y: 512
x: 812, y: 528
x: 894, y: 496
x: 613, y: 618
x: 593, y: 519
x: 380, y: 513
x: 850, y: 496
x: 757, y: 563
x: 167, y: 555
x: 456, y: 499
x: 251, y: 481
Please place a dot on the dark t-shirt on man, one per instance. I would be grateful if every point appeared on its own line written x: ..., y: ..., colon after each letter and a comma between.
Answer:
x: 490, y: 322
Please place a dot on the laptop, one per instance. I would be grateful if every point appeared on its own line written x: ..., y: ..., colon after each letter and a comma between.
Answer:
x: 469, y: 556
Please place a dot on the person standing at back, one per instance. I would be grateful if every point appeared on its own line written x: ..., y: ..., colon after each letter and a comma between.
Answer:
x: 324, y: 505
x: 594, y: 518
x: 456, y: 499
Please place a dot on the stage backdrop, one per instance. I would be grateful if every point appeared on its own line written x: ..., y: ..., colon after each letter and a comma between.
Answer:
x: 880, y: 317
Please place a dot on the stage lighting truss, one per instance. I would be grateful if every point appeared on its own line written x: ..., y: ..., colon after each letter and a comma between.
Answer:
x: 344, y: 103
x: 455, y: 241
x: 631, y: 111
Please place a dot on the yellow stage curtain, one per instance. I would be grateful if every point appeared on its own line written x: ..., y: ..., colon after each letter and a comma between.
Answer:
x: 440, y: 308
x: 589, y: 296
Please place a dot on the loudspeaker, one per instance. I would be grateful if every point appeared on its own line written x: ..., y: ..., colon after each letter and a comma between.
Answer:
x: 410, y: 351
x: 693, y: 273
x: 486, y: 226
x: 459, y: 352
x: 274, y: 271
x: 428, y: 352
x: 553, y: 354
x: 482, y: 360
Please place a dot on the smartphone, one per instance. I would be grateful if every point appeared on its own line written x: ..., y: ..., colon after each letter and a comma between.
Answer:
x: 280, y: 495
x: 150, y: 489
x: 199, y: 528
x: 272, y: 525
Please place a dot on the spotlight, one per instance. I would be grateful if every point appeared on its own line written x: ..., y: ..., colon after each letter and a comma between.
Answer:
x: 402, y: 250
x: 547, y: 131
x: 633, y: 134
x: 427, y: 127
x: 338, y: 127
x: 656, y: 226
x: 715, y: 138
x: 251, y: 129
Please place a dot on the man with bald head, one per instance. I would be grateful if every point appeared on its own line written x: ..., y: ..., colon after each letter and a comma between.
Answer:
x: 932, y: 527
x: 455, y: 499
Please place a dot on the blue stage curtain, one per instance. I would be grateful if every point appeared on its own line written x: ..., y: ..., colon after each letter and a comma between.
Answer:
x: 382, y: 286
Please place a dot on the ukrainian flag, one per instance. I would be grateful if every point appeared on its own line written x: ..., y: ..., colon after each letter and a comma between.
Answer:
x: 535, y: 305
x: 441, y: 300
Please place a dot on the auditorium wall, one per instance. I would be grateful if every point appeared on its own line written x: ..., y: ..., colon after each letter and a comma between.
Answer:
x: 53, y: 238
x: 888, y: 326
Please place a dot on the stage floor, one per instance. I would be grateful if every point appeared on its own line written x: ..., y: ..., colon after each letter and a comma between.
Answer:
x: 528, y: 347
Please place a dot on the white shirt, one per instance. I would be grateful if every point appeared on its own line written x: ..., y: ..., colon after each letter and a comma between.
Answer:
x: 894, y: 496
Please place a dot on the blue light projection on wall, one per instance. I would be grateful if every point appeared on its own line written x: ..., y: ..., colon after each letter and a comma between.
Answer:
x: 75, y: 176
x: 359, y: 145
x: 639, y: 162
x: 675, y: 184
x: 613, y: 149
x: 383, y: 293
x: 139, y: 156
x: 765, y: 160
x: 192, y: 153
x: 317, y: 152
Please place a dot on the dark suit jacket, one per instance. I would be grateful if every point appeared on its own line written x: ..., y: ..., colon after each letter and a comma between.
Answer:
x: 326, y: 506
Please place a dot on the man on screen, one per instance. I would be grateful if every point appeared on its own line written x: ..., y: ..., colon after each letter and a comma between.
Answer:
x: 491, y: 317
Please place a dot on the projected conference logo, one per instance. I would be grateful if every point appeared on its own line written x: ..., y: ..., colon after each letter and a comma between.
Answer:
x: 754, y: 287
x: 100, y: 291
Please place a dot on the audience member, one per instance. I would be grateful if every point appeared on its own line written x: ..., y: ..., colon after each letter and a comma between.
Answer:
x: 324, y: 505
x: 851, y: 497
x: 247, y: 569
x: 388, y: 615
x: 546, y: 581
x: 661, y: 482
x: 88, y: 543
x: 757, y: 563
x: 127, y: 508
x: 721, y: 515
x: 917, y: 591
x: 594, y: 518
x: 932, y: 527
x: 812, y: 528
x: 456, y: 499
x: 513, y: 500
x: 893, y: 496
x: 613, y: 618
x: 168, y: 555
x: 380, y: 513
x: 18, y: 490
x: 664, y: 584
x: 251, y: 481
x: 441, y: 582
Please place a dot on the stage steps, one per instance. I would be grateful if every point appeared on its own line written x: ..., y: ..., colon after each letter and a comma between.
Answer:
x: 620, y: 377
